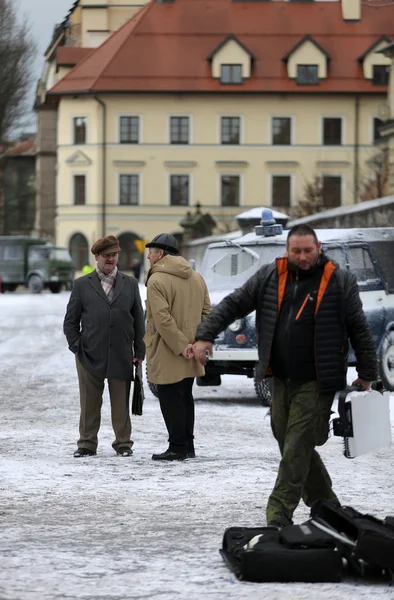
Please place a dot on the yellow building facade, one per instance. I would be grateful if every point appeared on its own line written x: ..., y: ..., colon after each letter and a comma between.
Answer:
x: 133, y: 162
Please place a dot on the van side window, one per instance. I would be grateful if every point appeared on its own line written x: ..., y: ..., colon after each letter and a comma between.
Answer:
x: 13, y: 252
x: 337, y: 255
x: 361, y: 265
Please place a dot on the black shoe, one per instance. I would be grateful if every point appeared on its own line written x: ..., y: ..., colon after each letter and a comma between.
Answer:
x: 84, y: 452
x: 169, y: 455
x: 124, y: 451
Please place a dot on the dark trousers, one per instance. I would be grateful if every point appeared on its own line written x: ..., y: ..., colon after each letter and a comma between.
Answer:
x: 177, y: 407
x: 300, y: 421
x: 91, y: 398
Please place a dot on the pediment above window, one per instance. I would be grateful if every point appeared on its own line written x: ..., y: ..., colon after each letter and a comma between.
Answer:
x: 79, y: 159
x: 231, y: 61
x: 375, y: 63
x: 307, y: 62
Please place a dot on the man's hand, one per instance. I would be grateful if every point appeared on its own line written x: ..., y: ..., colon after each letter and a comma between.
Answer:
x: 365, y: 385
x: 200, y: 349
x: 137, y: 361
x: 188, y: 352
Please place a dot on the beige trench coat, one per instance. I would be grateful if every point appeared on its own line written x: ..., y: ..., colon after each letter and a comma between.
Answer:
x: 177, y: 301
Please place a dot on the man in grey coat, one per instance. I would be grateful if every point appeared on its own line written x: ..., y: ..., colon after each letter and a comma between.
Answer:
x: 104, y: 327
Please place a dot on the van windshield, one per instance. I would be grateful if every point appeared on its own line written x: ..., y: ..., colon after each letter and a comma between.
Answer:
x: 228, y: 267
x: 37, y: 253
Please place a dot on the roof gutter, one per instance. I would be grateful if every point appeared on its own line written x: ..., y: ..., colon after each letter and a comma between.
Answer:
x: 104, y: 167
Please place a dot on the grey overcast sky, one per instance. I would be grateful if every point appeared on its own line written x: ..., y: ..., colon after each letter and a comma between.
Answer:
x: 42, y: 15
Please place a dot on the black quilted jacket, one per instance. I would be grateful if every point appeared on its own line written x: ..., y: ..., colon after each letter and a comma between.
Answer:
x: 339, y: 318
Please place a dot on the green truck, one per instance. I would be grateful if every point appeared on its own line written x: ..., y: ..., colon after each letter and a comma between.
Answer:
x: 34, y: 264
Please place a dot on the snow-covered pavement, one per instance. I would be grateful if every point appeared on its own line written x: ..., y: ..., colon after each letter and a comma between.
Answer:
x: 114, y: 528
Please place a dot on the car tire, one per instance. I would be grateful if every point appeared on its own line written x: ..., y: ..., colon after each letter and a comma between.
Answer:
x: 263, y: 390
x: 386, y: 361
x: 35, y: 284
x: 152, y: 386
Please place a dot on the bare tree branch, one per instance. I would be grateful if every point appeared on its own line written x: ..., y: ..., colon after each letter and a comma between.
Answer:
x: 17, y: 54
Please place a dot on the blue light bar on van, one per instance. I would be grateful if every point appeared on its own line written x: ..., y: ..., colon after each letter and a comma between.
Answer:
x: 268, y: 226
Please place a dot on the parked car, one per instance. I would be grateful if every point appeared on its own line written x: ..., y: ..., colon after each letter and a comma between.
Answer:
x: 35, y: 264
x: 368, y: 253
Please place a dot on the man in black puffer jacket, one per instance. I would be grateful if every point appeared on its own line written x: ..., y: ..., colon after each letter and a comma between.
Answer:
x: 307, y: 310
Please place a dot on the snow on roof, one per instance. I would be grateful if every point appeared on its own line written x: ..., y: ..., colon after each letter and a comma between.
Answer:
x: 255, y: 213
x: 343, y: 210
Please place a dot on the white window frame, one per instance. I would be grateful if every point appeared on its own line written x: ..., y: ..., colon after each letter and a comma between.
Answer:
x: 241, y: 187
x: 180, y: 115
x: 140, y: 128
x: 343, y: 130
x: 72, y: 137
x: 292, y: 130
x: 241, y: 129
x: 343, y: 184
x: 72, y: 188
x: 139, y: 174
x: 292, y: 186
x: 177, y: 173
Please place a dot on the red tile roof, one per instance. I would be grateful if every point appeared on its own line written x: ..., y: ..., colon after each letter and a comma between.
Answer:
x: 164, y: 48
x: 69, y: 56
x: 23, y: 148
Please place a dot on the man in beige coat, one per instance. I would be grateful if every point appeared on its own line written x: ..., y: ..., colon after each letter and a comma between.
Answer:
x: 177, y: 300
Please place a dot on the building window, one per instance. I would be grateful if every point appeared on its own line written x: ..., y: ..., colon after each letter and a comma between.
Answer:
x: 179, y: 130
x: 230, y: 191
x: 307, y: 75
x: 230, y: 130
x: 179, y: 190
x: 281, y: 131
x: 380, y: 75
x: 79, y: 190
x: 231, y: 74
x: 332, y: 131
x: 377, y: 123
x: 281, y: 191
x: 80, y: 126
x: 332, y: 191
x: 129, y: 130
x: 129, y: 190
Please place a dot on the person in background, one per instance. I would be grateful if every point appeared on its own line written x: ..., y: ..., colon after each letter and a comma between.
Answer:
x: 307, y: 310
x: 136, y: 268
x: 104, y: 327
x: 177, y: 300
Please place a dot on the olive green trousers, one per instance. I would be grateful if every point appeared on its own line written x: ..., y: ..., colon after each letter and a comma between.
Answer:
x: 300, y: 421
x: 91, y: 390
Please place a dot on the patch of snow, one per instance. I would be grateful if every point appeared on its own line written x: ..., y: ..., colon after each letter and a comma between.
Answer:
x: 111, y: 527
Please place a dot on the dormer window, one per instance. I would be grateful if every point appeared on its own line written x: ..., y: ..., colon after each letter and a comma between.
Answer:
x: 307, y: 74
x: 231, y: 74
x: 231, y: 61
x: 380, y: 75
x: 307, y: 62
x: 375, y: 64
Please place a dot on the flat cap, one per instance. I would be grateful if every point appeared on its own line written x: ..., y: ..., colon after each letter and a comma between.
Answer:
x: 106, y: 244
x: 164, y: 241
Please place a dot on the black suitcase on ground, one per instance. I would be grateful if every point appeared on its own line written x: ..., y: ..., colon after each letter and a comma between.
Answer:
x: 296, y: 553
x: 366, y: 542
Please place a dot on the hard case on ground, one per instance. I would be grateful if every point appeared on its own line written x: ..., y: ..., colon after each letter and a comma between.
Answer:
x: 296, y: 553
x: 364, y: 540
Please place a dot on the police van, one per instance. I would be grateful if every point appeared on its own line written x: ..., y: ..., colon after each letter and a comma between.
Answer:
x: 368, y: 253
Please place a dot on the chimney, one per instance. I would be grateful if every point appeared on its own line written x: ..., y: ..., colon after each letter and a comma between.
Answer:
x: 351, y: 10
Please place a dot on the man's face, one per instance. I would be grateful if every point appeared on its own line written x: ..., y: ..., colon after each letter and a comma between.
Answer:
x: 154, y: 255
x: 107, y: 261
x: 303, y: 251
